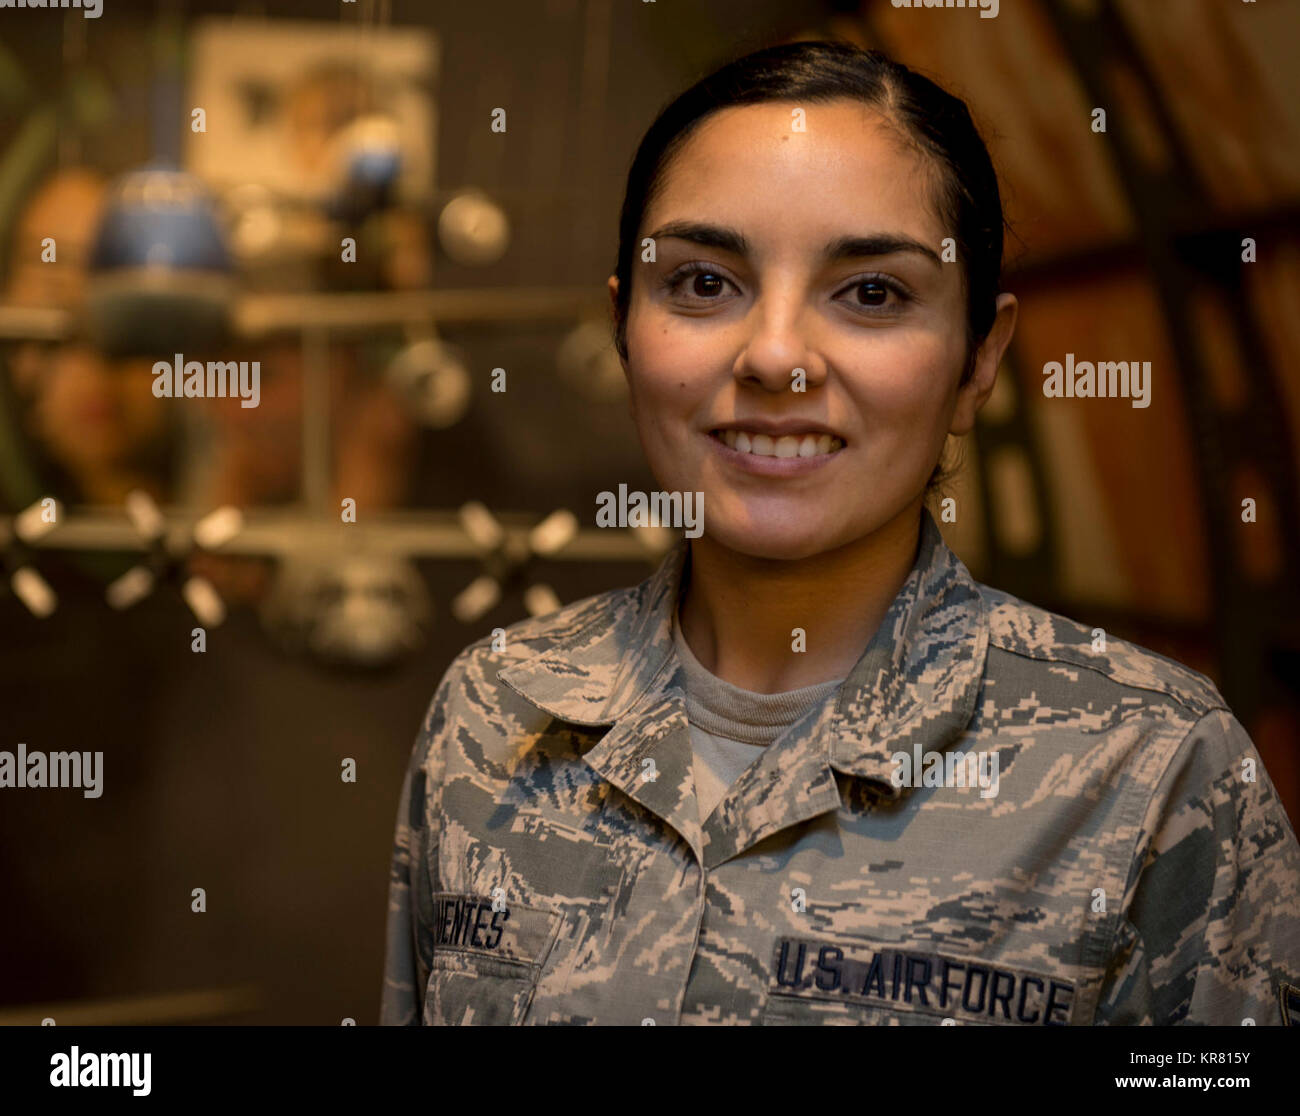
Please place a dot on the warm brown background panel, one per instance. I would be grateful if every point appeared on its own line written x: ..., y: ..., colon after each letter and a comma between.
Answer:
x: 1060, y: 189
x: 1134, y: 458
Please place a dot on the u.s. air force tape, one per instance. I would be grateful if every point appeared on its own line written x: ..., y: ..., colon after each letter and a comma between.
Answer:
x: 512, y: 931
x: 896, y: 979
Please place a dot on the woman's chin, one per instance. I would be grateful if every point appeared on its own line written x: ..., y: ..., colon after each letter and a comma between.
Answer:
x: 786, y: 541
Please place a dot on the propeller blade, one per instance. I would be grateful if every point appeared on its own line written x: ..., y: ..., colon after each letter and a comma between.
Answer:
x: 554, y: 533
x: 34, y: 591
x: 35, y: 520
x: 143, y: 512
x: 204, y: 601
x: 131, y: 588
x: 540, y: 599
x: 481, y: 525
x: 217, y: 528
x: 475, y: 599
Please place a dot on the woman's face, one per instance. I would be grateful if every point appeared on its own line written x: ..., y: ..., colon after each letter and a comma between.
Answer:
x: 778, y: 250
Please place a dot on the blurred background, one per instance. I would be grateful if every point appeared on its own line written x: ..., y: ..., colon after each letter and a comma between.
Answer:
x: 133, y: 226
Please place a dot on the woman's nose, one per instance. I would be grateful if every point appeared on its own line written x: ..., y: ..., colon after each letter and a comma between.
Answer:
x: 777, y: 354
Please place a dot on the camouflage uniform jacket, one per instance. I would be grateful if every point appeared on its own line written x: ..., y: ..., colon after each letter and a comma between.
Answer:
x: 1134, y: 867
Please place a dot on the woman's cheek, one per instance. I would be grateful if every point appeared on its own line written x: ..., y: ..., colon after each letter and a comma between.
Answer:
x: 907, y: 382
x: 658, y: 427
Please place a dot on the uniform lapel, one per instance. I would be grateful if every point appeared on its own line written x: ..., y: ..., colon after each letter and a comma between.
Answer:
x: 914, y: 686
x: 648, y: 756
x: 917, y: 683
x: 790, y: 782
x: 617, y: 667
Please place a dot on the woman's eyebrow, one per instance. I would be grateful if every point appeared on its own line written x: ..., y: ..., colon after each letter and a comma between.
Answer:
x: 845, y: 247
x: 705, y: 235
x: 878, y: 244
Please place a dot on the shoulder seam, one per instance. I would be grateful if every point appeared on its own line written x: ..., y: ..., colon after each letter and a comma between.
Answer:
x: 1194, y: 706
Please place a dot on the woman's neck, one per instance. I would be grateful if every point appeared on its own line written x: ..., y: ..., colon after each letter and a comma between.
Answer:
x: 738, y: 613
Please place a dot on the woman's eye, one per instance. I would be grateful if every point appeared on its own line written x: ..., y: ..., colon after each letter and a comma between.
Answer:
x: 875, y: 296
x: 873, y: 293
x: 697, y: 283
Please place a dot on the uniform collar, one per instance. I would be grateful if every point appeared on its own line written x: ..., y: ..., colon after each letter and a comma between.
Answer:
x: 915, y: 684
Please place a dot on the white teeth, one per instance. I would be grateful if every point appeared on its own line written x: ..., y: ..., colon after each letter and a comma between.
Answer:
x: 788, y: 445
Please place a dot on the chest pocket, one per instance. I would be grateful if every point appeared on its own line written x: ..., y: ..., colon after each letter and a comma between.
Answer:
x: 559, y: 836
x: 568, y: 861
x: 850, y: 981
x: 485, y: 963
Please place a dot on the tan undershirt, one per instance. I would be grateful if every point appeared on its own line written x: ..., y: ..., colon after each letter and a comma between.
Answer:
x: 729, y: 726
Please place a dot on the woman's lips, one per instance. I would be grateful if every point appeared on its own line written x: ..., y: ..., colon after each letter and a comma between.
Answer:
x: 740, y: 453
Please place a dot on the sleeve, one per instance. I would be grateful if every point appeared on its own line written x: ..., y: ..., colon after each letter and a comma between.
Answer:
x: 1209, y: 931
x: 400, y: 1004
x: 408, y: 946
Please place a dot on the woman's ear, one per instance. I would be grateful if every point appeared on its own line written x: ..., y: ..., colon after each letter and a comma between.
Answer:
x: 612, y: 286
x: 972, y: 394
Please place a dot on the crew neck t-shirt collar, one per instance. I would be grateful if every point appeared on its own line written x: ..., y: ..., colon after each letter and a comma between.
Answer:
x: 718, y: 707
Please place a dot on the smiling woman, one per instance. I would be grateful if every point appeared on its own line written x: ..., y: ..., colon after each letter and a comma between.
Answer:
x: 749, y: 789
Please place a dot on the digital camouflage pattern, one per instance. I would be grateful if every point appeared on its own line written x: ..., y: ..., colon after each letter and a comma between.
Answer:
x: 1135, y: 866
